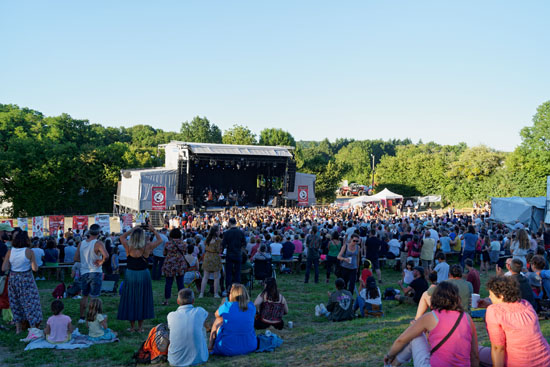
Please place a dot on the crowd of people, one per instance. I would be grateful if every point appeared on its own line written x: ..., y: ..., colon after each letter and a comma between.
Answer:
x: 352, y: 244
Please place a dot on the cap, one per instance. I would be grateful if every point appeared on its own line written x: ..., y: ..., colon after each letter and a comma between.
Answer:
x: 5, y: 227
x: 419, y: 268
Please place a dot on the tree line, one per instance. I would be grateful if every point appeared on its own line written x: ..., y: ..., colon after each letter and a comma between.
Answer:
x: 62, y: 165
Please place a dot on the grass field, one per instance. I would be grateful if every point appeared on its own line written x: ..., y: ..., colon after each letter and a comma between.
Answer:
x: 312, y: 342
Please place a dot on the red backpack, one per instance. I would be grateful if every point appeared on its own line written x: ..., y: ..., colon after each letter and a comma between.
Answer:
x: 59, y: 291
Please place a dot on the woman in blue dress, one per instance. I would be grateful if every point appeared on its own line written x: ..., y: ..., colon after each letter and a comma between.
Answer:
x: 233, y: 331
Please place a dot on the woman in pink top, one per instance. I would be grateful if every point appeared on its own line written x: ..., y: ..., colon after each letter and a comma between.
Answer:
x: 513, y: 327
x: 298, y: 249
x: 460, y: 348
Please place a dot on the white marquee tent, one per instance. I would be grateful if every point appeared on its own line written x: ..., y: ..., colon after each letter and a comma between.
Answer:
x: 387, y: 195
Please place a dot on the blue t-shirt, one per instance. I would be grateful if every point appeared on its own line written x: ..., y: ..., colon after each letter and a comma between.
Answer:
x: 50, y: 255
x: 470, y: 241
x: 236, y: 335
x: 445, y: 244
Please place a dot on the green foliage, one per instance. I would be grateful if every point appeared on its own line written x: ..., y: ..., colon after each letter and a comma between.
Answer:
x: 200, y: 130
x: 239, y: 135
x: 63, y: 165
x: 276, y: 137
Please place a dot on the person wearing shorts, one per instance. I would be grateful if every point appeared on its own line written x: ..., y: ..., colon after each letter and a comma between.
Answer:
x: 91, y: 254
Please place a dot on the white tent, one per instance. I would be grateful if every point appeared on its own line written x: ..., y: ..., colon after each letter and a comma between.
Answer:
x: 387, y: 195
x: 528, y: 211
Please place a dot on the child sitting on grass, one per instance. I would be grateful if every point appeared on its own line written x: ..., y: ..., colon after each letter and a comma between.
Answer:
x: 340, y: 304
x: 369, y: 299
x: 97, y: 322
x: 59, y: 327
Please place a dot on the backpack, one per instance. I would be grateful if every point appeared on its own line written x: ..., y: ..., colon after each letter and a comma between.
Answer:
x: 59, y: 291
x: 389, y: 294
x: 155, y: 348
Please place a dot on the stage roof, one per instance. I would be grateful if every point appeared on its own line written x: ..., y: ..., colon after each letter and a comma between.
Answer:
x: 230, y: 149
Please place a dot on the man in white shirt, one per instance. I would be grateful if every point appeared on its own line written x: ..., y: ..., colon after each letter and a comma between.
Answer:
x: 394, y: 246
x: 187, y: 332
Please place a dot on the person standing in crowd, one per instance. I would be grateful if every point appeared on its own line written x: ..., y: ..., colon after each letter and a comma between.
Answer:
x: 520, y: 247
x: 212, y: 263
x: 187, y: 333
x: 451, y: 338
x: 373, y: 248
x: 22, y: 290
x: 442, y: 268
x: 174, y: 263
x: 334, y: 246
x: 158, y: 256
x: 91, y: 254
x: 70, y: 251
x: 313, y: 245
x: 513, y: 328
x: 473, y: 275
x: 349, y: 260
x: 136, y: 299
x: 427, y: 252
x: 233, y: 241
x: 470, y: 241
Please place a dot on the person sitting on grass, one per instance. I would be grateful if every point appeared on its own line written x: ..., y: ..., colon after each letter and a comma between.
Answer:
x: 59, y: 327
x: 413, y: 292
x: 513, y: 328
x: 425, y: 300
x: 451, y: 339
x: 270, y: 305
x: 365, y: 274
x: 340, y: 304
x: 233, y: 330
x: 187, y: 332
x: 408, y: 274
x: 369, y: 298
x: 97, y: 322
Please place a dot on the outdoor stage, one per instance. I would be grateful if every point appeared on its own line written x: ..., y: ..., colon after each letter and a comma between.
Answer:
x: 215, y: 177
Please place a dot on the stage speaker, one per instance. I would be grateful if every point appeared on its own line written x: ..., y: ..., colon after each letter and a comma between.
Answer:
x: 182, y: 177
x: 291, y: 171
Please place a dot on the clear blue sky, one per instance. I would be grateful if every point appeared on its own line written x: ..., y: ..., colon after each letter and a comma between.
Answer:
x: 446, y: 71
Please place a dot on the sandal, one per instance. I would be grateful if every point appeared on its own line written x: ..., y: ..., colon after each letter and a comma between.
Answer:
x: 140, y: 330
x: 131, y: 330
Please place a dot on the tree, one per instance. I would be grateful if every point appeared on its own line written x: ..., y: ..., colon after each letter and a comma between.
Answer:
x: 200, y: 130
x: 238, y: 134
x: 276, y: 137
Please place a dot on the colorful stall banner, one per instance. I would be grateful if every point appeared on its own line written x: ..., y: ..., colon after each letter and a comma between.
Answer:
x: 38, y: 226
x: 303, y: 196
x: 103, y: 221
x: 9, y: 221
x: 23, y: 223
x: 80, y: 222
x: 56, y: 222
x: 127, y: 220
x: 159, y: 198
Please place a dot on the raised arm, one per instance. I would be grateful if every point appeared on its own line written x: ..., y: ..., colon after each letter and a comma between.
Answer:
x: 123, y: 239
x: 6, y: 263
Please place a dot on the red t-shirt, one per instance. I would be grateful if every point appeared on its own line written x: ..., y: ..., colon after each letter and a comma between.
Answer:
x: 365, y: 274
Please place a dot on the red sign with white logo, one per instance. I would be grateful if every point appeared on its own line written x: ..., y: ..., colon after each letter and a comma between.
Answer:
x: 303, y: 196
x: 80, y: 222
x: 158, y: 198
x: 56, y: 222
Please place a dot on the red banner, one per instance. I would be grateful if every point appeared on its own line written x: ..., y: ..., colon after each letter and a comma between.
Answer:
x: 127, y: 220
x: 158, y: 198
x: 80, y: 222
x: 56, y: 222
x: 303, y: 196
